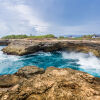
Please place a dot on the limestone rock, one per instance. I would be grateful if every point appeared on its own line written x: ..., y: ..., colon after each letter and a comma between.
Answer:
x: 23, y: 47
x: 55, y: 84
x: 29, y: 71
x: 4, y: 42
x: 8, y: 80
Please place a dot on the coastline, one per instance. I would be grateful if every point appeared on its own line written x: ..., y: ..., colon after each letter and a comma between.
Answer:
x: 33, y: 83
x: 27, y: 46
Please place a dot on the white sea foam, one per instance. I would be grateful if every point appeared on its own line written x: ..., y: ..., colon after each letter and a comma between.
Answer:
x: 44, y: 53
x: 11, y: 57
x: 4, y: 56
x: 4, y: 59
x: 87, y: 61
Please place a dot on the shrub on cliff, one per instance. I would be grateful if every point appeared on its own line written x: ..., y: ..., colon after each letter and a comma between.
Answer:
x: 61, y: 37
x: 15, y: 37
x: 25, y: 36
x: 42, y: 36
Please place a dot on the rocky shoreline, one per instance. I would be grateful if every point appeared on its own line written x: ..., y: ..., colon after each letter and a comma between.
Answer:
x: 33, y: 83
x: 23, y: 47
x: 4, y: 42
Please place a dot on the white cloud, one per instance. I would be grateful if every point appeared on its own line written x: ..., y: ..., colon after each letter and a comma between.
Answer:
x: 88, y: 28
x: 29, y: 15
x: 20, y: 18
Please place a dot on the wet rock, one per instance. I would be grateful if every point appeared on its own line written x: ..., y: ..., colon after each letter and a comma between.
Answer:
x: 55, y: 84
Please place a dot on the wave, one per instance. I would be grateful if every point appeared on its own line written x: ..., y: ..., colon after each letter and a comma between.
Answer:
x: 80, y: 61
x: 88, y: 62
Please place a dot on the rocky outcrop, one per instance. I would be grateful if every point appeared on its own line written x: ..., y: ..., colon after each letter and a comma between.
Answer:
x: 28, y: 47
x: 8, y: 81
x: 51, y: 84
x: 4, y: 42
x: 28, y: 71
x: 23, y: 47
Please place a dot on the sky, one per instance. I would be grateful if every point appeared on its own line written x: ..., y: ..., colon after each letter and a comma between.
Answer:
x: 58, y: 17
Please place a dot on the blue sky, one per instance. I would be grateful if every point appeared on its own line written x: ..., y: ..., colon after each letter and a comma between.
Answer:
x: 59, y: 17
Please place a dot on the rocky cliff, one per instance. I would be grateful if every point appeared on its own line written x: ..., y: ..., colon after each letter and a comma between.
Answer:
x: 22, y: 47
x: 4, y: 42
x: 33, y: 83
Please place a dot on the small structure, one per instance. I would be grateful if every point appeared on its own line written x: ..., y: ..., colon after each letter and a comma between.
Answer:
x: 71, y: 37
x: 96, y: 36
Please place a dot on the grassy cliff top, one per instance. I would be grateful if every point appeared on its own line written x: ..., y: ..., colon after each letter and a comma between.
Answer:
x: 26, y: 36
x: 50, y: 36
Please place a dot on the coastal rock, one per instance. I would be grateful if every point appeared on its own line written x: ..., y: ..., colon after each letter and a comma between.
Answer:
x: 4, y: 42
x: 23, y: 47
x: 55, y: 84
x: 8, y: 81
x: 28, y: 47
x: 29, y: 71
x: 20, y: 47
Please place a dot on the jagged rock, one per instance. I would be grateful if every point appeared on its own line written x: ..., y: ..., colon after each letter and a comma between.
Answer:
x: 29, y: 71
x: 23, y: 47
x: 8, y: 80
x: 4, y: 42
x: 55, y: 84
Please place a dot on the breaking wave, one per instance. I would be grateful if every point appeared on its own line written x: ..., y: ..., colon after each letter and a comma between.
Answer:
x: 89, y: 63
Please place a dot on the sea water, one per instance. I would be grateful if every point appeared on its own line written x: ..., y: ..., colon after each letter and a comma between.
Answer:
x: 10, y: 64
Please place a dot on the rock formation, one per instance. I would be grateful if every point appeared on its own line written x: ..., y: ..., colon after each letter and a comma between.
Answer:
x: 33, y: 83
x: 23, y: 47
x: 4, y: 42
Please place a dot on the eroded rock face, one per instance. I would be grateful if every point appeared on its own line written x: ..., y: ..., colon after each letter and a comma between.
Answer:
x: 29, y: 71
x: 28, y: 47
x: 8, y: 80
x: 53, y: 84
x: 4, y: 42
x: 23, y: 47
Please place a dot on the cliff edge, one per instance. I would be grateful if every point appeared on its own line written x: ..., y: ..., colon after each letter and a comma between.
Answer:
x: 33, y: 83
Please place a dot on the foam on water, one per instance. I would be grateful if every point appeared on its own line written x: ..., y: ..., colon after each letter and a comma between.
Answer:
x: 9, y: 64
x: 88, y: 62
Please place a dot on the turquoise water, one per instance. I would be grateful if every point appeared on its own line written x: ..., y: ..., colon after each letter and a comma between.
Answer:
x: 10, y: 64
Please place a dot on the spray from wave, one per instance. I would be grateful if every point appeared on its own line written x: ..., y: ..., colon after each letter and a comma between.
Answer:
x: 88, y: 62
x: 7, y: 62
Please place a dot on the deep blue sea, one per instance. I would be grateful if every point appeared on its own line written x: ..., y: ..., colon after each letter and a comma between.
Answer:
x: 10, y: 64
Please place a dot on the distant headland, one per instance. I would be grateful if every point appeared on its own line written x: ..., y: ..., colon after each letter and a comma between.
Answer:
x: 23, y: 44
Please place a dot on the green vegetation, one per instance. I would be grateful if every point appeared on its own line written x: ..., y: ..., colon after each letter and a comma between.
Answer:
x: 25, y: 36
x: 51, y: 36
x: 88, y: 36
x: 84, y: 37
x: 15, y: 37
x: 61, y: 37
x: 42, y: 36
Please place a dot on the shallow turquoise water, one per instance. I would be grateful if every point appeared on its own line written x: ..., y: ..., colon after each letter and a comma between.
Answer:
x: 9, y: 64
